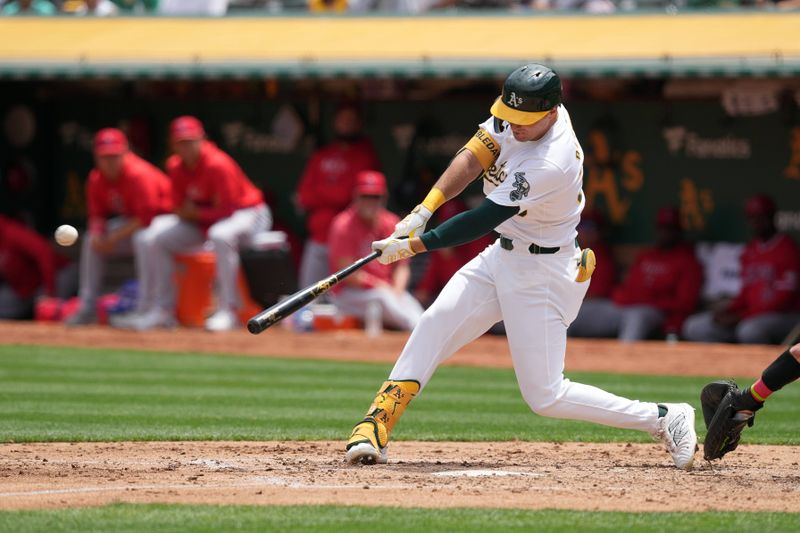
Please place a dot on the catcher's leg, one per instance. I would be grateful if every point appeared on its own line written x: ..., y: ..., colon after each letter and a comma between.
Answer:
x: 367, y: 443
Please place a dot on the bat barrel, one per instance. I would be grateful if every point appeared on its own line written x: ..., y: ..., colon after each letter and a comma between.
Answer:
x: 281, y: 310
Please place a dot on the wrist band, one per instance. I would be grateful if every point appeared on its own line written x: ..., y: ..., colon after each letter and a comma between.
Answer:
x: 434, y: 200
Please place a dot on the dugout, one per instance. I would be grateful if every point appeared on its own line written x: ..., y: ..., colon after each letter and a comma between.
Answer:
x: 697, y: 110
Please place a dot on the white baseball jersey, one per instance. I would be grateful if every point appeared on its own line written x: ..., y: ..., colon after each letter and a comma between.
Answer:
x: 544, y: 178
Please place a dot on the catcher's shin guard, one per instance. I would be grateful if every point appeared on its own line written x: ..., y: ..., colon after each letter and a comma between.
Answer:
x: 370, y: 437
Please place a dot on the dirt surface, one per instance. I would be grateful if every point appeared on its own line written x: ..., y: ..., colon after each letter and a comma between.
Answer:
x: 583, y: 355
x: 434, y: 474
x: 621, y: 477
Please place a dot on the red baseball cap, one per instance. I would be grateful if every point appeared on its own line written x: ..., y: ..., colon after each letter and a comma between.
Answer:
x: 186, y: 128
x: 760, y: 204
x: 370, y: 183
x: 110, y: 141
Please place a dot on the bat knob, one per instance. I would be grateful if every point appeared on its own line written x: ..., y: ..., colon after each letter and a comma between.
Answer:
x: 254, y: 327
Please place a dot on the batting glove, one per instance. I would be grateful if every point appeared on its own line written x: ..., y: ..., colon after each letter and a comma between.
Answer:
x: 393, y: 250
x: 414, y: 223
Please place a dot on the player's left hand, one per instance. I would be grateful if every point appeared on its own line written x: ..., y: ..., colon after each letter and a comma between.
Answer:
x: 414, y: 223
x: 393, y: 249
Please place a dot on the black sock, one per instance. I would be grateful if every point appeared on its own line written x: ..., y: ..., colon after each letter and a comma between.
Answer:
x: 782, y: 371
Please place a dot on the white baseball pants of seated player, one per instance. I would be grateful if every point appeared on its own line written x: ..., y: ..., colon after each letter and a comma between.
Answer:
x: 168, y: 235
x: 600, y: 317
x: 314, y: 263
x: 537, y: 297
x: 93, y: 264
x: 398, y: 311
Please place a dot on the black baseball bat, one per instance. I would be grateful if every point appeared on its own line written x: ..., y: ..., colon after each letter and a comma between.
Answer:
x: 282, y: 309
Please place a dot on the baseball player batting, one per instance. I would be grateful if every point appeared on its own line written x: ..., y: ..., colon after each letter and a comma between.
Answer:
x: 534, y: 277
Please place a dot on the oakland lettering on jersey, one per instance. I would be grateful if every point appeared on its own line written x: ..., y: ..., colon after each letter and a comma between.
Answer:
x: 496, y: 175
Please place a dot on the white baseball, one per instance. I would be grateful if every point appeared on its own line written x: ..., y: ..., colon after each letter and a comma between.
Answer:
x: 66, y: 235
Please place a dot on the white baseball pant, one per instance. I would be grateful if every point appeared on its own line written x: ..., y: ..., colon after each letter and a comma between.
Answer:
x: 314, y: 263
x: 168, y: 235
x: 537, y: 298
x: 399, y: 311
x: 93, y: 264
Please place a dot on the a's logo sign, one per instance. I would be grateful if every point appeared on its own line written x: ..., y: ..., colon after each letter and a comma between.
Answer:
x: 513, y: 101
x: 521, y: 187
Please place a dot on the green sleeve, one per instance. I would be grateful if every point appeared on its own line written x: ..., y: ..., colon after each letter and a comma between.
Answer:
x: 468, y: 226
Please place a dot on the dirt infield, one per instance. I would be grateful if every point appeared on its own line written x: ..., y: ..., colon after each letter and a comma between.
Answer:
x: 621, y: 477
x: 583, y: 355
x: 581, y: 476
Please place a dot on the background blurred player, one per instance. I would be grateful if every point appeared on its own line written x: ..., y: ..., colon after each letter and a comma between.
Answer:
x: 768, y: 304
x: 29, y: 267
x: 214, y: 200
x: 326, y: 187
x: 352, y: 233
x: 124, y: 192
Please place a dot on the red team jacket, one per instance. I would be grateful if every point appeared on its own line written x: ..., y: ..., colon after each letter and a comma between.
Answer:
x: 141, y: 191
x: 326, y: 187
x: 769, y: 277
x: 217, y: 185
x: 669, y: 280
x: 351, y: 238
x: 27, y: 261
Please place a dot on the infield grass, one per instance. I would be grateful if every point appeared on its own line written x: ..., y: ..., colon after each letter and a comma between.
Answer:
x: 168, y: 518
x: 70, y: 394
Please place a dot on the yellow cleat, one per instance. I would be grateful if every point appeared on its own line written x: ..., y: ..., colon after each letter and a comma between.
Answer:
x: 363, y: 446
x: 370, y: 438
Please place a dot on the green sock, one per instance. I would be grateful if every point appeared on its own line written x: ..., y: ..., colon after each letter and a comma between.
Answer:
x: 662, y: 411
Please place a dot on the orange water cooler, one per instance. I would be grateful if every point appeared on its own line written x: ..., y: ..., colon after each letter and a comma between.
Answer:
x: 194, y: 279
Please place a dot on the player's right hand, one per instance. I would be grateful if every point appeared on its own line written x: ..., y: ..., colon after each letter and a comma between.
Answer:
x: 393, y: 249
x: 414, y: 223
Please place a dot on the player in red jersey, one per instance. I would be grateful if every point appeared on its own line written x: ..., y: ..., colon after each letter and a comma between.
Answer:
x: 326, y: 188
x: 660, y: 290
x: 767, y: 307
x: 214, y: 200
x: 124, y: 193
x: 351, y: 236
x: 29, y: 267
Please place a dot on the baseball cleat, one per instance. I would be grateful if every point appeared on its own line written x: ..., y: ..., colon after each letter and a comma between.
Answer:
x: 676, y: 430
x: 223, y: 320
x: 366, y: 454
x: 363, y: 445
x: 82, y: 318
x: 155, y: 318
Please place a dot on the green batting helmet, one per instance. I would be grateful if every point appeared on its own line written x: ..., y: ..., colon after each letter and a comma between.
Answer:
x: 528, y: 94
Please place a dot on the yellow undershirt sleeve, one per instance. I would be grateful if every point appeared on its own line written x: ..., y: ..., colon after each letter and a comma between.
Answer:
x: 434, y: 200
x: 484, y: 147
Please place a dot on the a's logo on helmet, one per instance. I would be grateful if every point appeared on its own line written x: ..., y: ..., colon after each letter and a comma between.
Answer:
x: 513, y: 100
